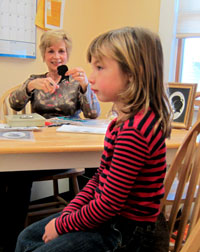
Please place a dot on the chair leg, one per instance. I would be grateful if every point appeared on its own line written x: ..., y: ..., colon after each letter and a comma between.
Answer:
x: 56, y: 193
x: 61, y: 200
x: 26, y: 221
x: 39, y: 209
x: 75, y: 184
x: 55, y: 188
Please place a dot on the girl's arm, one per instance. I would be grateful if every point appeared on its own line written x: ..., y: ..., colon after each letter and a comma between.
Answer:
x: 84, y: 196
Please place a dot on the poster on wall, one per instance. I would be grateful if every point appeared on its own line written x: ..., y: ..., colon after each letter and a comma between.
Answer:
x: 17, y: 28
x: 54, y: 13
x: 50, y: 14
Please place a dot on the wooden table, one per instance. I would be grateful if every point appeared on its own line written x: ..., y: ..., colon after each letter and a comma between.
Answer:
x: 56, y: 150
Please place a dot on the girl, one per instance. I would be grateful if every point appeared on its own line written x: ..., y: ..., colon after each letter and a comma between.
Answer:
x: 118, y: 208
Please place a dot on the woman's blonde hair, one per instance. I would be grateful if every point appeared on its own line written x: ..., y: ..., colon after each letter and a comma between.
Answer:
x: 138, y: 52
x: 51, y: 37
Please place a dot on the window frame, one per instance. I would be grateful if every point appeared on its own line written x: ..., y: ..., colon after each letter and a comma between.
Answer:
x: 180, y: 43
x: 179, y: 59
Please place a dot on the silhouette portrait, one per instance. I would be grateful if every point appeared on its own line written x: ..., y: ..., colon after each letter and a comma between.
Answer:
x: 181, y: 97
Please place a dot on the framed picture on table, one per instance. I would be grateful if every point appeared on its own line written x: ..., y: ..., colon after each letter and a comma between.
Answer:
x: 181, y: 97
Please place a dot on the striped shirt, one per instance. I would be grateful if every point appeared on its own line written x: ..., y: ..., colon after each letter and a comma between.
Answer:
x: 129, y: 181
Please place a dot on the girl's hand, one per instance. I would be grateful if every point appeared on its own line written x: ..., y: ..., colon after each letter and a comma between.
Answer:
x: 79, y: 75
x: 50, y: 231
x: 48, y: 85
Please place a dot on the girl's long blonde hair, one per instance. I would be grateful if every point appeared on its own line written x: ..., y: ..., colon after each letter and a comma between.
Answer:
x: 138, y: 52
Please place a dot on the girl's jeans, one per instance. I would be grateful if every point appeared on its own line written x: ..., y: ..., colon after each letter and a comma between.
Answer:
x: 115, y: 235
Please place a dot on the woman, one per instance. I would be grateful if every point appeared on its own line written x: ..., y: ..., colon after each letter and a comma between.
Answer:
x: 50, y: 95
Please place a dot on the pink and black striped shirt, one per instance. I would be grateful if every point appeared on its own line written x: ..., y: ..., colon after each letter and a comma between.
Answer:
x: 129, y: 181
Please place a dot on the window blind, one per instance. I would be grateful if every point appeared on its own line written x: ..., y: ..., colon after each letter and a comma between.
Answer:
x: 188, y: 23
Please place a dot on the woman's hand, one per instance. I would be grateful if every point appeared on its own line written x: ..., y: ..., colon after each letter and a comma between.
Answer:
x: 50, y: 231
x: 79, y: 75
x: 48, y: 85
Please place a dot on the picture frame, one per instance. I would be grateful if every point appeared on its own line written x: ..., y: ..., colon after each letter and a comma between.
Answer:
x: 181, y: 97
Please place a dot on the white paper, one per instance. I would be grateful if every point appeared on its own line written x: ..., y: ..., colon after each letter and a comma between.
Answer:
x: 6, y: 127
x: 17, y: 135
x: 81, y: 129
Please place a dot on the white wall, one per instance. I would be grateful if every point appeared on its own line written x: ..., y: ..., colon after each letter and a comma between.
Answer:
x: 45, y: 188
x: 167, y: 32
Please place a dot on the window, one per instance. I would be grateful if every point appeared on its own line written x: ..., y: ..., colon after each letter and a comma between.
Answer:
x: 188, y: 60
x: 188, y: 42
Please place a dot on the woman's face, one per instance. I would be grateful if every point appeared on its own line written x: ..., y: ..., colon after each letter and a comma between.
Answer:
x: 55, y: 55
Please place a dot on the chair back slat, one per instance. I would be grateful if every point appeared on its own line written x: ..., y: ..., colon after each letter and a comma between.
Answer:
x: 196, y: 211
x: 183, y: 177
x: 185, y: 168
x: 5, y: 108
x: 193, y: 242
x: 187, y: 209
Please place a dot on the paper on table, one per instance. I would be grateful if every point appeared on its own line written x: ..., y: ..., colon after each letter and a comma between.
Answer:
x: 6, y: 127
x: 17, y: 135
x: 61, y: 120
x: 81, y: 129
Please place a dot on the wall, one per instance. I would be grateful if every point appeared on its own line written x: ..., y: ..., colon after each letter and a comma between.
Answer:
x: 167, y: 32
x: 83, y: 20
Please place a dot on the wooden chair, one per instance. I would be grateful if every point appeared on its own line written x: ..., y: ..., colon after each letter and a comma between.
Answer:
x: 5, y: 108
x: 186, y: 169
x: 58, y: 203
x: 193, y: 242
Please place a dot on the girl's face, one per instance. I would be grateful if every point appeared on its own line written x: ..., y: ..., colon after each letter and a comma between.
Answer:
x: 107, y: 80
x: 55, y: 55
